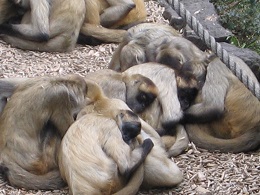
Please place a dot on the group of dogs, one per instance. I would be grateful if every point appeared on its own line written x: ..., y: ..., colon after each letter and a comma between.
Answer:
x: 114, y: 131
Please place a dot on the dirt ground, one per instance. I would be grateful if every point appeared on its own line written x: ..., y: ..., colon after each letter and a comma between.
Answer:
x: 204, y: 172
